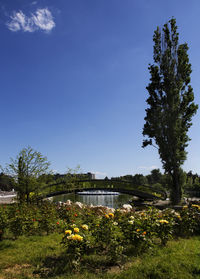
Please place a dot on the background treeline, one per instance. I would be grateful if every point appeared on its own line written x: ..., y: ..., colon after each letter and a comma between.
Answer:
x: 191, y: 182
x: 8, y: 182
x: 155, y: 178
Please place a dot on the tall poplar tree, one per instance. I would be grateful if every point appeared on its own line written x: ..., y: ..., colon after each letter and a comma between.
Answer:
x: 170, y: 103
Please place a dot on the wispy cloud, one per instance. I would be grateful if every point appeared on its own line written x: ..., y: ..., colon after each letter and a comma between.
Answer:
x: 42, y: 19
x: 148, y: 167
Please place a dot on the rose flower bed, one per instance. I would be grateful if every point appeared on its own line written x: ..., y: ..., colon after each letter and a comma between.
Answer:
x: 99, y: 231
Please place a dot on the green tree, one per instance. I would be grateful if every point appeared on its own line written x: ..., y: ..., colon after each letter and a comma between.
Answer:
x: 26, y: 168
x: 139, y: 179
x: 154, y: 177
x: 170, y: 102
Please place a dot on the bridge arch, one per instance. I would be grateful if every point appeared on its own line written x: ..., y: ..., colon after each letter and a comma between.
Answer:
x: 122, y: 186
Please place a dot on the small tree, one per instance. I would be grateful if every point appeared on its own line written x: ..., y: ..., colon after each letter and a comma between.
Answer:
x: 171, y: 105
x: 26, y: 169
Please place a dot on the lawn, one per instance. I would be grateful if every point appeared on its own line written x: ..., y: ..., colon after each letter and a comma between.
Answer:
x: 44, y: 257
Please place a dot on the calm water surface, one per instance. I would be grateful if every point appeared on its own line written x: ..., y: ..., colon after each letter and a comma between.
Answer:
x: 113, y: 201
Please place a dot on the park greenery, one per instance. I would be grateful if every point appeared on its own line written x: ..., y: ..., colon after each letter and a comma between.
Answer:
x: 77, y: 238
x: 49, y: 183
x: 154, y: 183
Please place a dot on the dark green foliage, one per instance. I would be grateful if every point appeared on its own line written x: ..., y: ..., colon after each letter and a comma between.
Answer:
x: 136, y: 180
x: 3, y: 220
x: 6, y: 182
x: 155, y: 177
x: 170, y: 103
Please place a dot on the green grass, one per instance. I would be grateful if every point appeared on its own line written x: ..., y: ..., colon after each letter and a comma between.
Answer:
x: 42, y: 256
x: 26, y: 252
x: 179, y: 260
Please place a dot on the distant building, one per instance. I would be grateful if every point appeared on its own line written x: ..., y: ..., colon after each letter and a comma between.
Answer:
x: 91, y: 175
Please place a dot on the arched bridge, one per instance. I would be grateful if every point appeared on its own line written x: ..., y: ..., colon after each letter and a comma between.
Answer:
x: 127, y: 187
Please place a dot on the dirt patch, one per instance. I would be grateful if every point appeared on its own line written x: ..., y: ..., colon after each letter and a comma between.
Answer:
x: 114, y: 270
x: 18, y: 269
x: 117, y: 269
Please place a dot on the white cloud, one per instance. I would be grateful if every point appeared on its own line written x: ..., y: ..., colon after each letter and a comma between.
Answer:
x: 148, y: 168
x: 42, y: 19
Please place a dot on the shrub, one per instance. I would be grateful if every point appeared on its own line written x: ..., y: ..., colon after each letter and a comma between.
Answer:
x: 77, y: 242
x: 109, y: 238
x: 3, y: 220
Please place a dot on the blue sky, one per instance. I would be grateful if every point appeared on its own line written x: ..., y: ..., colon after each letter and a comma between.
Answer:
x: 73, y: 77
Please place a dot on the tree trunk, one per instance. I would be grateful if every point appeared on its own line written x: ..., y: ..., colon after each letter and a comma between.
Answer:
x: 27, y: 193
x: 176, y: 191
x: 27, y: 198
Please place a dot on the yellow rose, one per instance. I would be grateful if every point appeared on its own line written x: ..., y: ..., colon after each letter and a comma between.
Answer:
x: 77, y: 237
x: 68, y: 232
x: 111, y: 215
x: 164, y: 222
x: 70, y: 236
x: 85, y: 227
x: 76, y: 230
x: 195, y: 205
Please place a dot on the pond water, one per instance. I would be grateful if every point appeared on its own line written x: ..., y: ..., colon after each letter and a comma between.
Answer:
x: 113, y: 200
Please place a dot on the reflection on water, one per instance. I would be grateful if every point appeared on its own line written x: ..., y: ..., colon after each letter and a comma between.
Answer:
x: 113, y: 201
